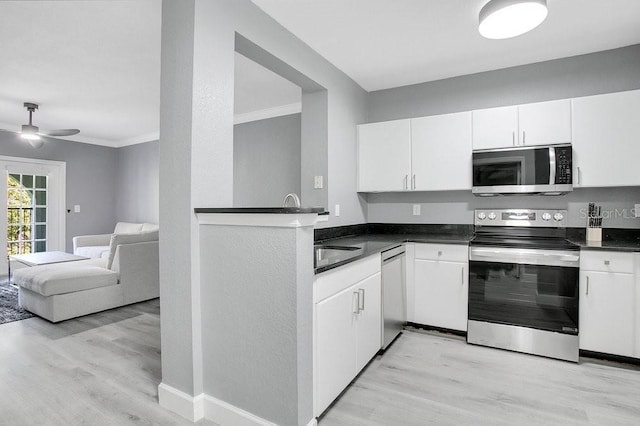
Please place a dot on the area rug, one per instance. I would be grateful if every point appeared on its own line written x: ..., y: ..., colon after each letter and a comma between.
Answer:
x: 9, y: 309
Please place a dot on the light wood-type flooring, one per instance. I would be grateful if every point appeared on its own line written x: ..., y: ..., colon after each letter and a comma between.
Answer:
x: 427, y: 378
x: 104, y: 369
x: 101, y: 369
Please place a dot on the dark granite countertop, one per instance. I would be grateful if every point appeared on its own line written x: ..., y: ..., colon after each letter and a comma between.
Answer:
x: 616, y: 245
x: 262, y: 210
x: 617, y: 239
x: 369, y: 244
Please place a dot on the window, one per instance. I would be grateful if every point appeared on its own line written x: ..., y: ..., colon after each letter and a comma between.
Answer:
x: 26, y: 213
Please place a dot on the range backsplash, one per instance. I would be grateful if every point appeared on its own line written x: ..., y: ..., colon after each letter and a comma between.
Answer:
x: 456, y: 207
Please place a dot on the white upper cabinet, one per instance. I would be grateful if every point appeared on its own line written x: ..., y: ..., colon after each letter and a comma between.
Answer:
x: 606, y: 129
x: 441, y: 152
x: 495, y: 127
x: 542, y: 123
x: 384, y: 156
x: 424, y: 154
x: 545, y: 123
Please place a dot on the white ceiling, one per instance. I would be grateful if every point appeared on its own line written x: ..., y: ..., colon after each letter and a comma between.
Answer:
x: 259, y: 92
x: 91, y: 65
x: 95, y: 64
x: 389, y: 43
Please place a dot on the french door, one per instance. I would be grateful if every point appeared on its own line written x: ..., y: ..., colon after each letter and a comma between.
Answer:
x: 32, y: 196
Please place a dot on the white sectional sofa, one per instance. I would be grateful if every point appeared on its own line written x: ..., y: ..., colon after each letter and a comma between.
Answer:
x: 127, y: 272
x: 97, y: 246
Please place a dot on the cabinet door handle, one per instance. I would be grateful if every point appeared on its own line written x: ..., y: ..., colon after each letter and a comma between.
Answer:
x: 360, y: 299
x: 413, y: 182
x: 523, y: 138
x: 356, y: 302
x: 513, y: 138
x: 462, y: 276
x: 406, y: 179
x: 579, y: 175
x: 587, y: 291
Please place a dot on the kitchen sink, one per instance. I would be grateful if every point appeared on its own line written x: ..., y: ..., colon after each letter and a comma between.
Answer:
x: 323, y: 253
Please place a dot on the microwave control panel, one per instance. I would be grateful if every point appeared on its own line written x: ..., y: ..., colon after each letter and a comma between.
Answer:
x: 563, y: 165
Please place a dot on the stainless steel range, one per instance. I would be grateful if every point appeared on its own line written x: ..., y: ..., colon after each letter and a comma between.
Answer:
x: 523, y: 283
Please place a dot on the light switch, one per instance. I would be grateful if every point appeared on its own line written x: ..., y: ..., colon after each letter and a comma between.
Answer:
x: 336, y: 211
x: 76, y: 208
x: 416, y: 209
x: 318, y: 182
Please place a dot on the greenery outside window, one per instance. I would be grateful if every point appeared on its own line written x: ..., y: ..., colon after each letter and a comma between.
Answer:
x: 26, y: 214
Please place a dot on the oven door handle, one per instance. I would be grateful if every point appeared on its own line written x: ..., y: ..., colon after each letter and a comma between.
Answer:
x: 524, y: 256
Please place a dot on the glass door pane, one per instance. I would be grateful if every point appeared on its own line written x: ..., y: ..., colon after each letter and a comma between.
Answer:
x: 26, y: 213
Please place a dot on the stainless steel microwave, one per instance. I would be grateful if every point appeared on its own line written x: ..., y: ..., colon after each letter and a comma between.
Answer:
x: 523, y: 170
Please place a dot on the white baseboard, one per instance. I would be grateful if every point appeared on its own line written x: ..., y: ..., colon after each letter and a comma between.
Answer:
x: 189, y: 407
x: 205, y: 406
x: 225, y: 414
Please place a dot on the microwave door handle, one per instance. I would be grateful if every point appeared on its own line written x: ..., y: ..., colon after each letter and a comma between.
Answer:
x: 552, y: 166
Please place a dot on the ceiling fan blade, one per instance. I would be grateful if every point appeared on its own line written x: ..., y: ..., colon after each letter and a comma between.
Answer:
x: 60, y: 132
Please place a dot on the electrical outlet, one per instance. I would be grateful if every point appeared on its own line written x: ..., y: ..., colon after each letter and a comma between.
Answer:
x: 636, y: 210
x: 76, y: 208
x: 318, y: 182
x: 336, y: 211
x: 416, y: 209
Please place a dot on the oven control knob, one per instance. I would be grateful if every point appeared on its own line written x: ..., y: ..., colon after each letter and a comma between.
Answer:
x: 492, y: 216
x: 558, y: 217
x: 546, y: 216
x: 482, y: 216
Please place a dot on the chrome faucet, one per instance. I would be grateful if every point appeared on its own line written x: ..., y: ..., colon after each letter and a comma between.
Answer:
x: 292, y: 196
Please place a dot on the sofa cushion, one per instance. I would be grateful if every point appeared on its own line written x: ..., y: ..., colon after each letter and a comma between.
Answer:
x: 117, y: 239
x: 127, y: 228
x: 93, y: 252
x: 67, y: 277
x: 148, y: 227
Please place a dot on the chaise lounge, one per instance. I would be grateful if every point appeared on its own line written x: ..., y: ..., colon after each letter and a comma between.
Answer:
x: 126, y: 272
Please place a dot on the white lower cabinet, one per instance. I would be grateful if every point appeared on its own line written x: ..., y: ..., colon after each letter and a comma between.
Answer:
x: 347, y: 326
x: 441, y: 285
x: 608, y: 303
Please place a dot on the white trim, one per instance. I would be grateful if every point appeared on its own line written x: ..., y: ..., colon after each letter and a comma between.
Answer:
x: 297, y: 220
x: 56, y: 202
x: 194, y: 408
x: 153, y: 136
x: 82, y: 138
x: 187, y: 406
x: 268, y: 113
x: 225, y: 414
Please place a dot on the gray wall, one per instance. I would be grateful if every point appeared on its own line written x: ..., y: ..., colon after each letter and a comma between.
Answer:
x: 91, y: 177
x: 196, y: 144
x: 255, y: 363
x: 457, y: 206
x: 266, y: 161
x: 603, y: 72
x: 137, y: 183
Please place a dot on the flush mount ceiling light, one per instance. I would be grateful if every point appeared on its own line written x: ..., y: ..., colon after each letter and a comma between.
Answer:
x: 509, y: 18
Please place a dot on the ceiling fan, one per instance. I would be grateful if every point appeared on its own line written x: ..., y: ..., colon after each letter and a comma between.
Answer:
x: 32, y: 133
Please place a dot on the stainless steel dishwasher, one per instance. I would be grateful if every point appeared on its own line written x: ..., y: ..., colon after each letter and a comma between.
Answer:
x: 394, y: 313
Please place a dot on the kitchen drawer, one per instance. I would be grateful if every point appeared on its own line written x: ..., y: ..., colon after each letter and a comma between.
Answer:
x: 446, y: 252
x: 606, y: 261
x: 335, y: 280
